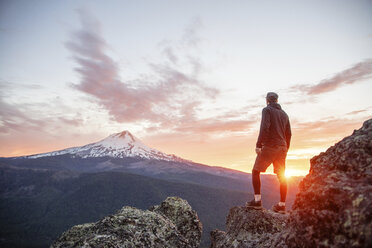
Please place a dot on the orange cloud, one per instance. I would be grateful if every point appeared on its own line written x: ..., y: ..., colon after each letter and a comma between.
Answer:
x: 323, y: 132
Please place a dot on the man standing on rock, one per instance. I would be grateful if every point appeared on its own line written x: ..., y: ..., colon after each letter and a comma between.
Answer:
x: 271, y: 148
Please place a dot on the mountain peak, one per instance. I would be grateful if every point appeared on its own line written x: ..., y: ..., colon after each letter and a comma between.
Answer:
x: 118, y: 145
x: 122, y: 140
x: 124, y: 134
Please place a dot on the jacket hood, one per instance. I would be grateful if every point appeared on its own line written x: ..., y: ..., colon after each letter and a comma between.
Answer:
x: 275, y: 105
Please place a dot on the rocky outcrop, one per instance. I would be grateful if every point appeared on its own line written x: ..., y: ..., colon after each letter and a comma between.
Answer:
x: 249, y: 228
x: 334, y: 205
x: 171, y: 224
x: 332, y: 209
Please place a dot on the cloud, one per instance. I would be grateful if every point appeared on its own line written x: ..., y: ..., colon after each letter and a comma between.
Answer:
x: 34, y: 127
x: 71, y: 121
x: 12, y: 118
x: 190, y: 36
x: 170, y: 55
x: 171, y: 96
x: 23, y: 117
x: 169, y: 103
x: 15, y: 116
x: 356, y: 73
x: 358, y: 111
x: 213, y: 125
x: 323, y: 133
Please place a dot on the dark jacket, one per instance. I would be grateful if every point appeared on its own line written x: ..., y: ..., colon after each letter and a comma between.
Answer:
x: 275, y: 128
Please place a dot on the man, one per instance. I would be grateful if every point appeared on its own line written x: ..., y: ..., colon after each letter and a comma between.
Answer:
x: 271, y: 148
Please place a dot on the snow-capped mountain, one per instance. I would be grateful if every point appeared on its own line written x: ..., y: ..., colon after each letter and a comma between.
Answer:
x: 147, y: 161
x: 118, y: 145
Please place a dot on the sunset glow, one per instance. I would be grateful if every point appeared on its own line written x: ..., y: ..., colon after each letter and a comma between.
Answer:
x: 187, y: 78
x: 289, y: 173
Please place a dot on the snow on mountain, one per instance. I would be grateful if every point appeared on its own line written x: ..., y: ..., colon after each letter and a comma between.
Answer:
x: 118, y: 145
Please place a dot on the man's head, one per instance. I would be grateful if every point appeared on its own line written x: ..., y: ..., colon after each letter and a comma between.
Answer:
x: 271, y: 97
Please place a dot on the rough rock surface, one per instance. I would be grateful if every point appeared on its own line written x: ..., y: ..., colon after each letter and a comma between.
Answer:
x: 171, y: 224
x: 334, y: 205
x: 249, y: 228
x: 332, y: 209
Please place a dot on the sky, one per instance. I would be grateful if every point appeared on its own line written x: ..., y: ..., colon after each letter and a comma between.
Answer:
x: 186, y: 77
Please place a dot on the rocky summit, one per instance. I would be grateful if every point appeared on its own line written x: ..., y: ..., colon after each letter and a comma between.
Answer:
x: 173, y: 223
x: 249, y: 228
x: 334, y: 205
x: 332, y: 209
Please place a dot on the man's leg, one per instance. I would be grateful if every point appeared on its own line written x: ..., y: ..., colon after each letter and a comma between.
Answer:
x: 256, y: 181
x: 283, y: 188
x: 263, y: 160
x: 279, y: 169
x: 256, y: 202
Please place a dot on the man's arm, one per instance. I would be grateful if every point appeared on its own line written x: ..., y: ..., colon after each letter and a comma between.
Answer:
x: 264, y: 128
x: 288, y: 134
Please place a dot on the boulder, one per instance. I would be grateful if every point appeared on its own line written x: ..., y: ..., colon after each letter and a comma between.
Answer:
x: 333, y: 206
x: 171, y: 224
x: 249, y: 228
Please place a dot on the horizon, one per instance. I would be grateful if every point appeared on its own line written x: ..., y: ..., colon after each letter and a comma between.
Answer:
x: 186, y: 78
x: 288, y: 173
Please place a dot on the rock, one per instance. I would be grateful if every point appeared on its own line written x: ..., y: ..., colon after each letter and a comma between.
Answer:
x: 332, y: 209
x: 333, y: 206
x: 249, y: 228
x: 183, y: 217
x: 171, y: 224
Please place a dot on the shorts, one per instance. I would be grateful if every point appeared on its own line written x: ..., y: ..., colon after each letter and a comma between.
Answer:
x: 271, y: 155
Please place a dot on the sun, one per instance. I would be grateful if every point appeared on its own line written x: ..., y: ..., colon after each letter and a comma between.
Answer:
x: 294, y: 173
x: 289, y: 173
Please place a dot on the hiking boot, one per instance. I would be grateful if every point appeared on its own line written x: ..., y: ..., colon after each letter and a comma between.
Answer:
x: 254, y: 204
x: 279, y: 209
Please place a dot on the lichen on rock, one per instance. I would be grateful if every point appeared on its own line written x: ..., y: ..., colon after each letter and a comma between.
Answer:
x: 183, y: 217
x: 248, y: 228
x: 171, y: 224
x: 333, y: 206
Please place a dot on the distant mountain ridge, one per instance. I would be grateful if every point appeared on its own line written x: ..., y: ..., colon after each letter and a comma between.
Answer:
x: 117, y: 145
x: 124, y: 152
